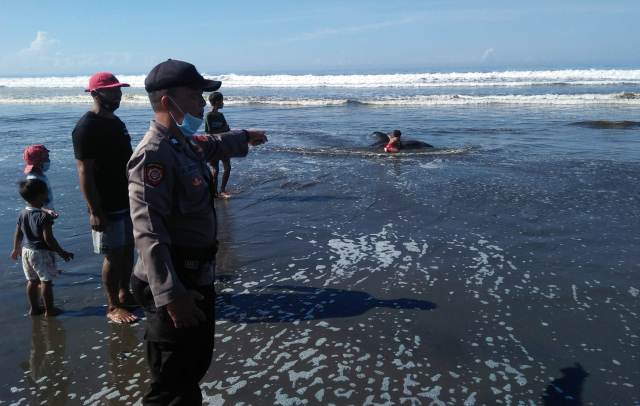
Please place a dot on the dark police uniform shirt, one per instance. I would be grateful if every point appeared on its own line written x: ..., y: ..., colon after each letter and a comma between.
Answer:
x: 106, y: 141
x: 171, y: 204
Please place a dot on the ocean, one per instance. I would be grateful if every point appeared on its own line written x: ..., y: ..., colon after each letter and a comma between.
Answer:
x: 501, y: 267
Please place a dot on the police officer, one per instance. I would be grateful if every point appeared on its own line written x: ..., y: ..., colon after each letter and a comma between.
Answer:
x: 174, y: 226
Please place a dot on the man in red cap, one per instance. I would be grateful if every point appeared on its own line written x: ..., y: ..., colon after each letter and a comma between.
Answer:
x: 102, y: 147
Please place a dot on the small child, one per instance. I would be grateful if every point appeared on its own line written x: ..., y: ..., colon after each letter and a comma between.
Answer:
x: 38, y: 260
x: 36, y: 158
x: 215, y: 123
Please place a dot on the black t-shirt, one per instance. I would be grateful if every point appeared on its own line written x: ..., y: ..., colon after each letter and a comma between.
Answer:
x: 215, y: 123
x: 106, y: 141
x: 32, y: 221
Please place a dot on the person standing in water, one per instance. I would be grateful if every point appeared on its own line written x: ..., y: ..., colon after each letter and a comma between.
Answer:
x: 391, y: 143
x: 176, y: 231
x: 102, y: 148
x: 35, y: 229
x: 215, y: 123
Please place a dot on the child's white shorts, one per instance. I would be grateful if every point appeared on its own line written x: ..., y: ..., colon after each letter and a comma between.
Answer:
x: 39, y: 264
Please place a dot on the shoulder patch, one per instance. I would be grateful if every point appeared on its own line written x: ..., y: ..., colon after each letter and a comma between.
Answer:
x: 197, y: 181
x: 200, y: 137
x: 153, y: 174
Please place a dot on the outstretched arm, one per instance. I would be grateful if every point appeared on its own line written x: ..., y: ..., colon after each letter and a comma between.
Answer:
x: 52, y: 243
x: 230, y: 144
x: 51, y: 212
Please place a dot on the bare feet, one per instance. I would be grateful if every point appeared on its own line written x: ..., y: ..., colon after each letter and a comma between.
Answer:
x: 121, y: 316
x: 53, y: 312
x: 36, y: 312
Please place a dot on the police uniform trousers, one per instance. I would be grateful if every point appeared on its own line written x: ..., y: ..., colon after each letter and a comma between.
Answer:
x: 178, y: 358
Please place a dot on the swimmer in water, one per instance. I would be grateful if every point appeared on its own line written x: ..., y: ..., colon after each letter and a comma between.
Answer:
x: 391, y: 142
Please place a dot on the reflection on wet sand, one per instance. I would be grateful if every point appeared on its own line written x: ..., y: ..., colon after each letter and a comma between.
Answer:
x: 125, y: 369
x: 227, y: 261
x: 46, y: 377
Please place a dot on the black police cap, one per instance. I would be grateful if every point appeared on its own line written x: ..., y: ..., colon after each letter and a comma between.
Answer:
x: 175, y: 73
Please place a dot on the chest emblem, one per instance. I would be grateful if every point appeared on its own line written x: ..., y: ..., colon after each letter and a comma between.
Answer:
x: 153, y: 174
x: 197, y: 181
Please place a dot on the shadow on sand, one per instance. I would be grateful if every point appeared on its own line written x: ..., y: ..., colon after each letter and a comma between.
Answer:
x: 290, y: 303
x: 566, y: 390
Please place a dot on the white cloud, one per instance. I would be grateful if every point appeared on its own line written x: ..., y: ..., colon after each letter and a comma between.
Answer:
x: 425, y: 17
x: 326, y: 32
x: 45, y: 56
x: 41, y: 43
x: 488, y: 54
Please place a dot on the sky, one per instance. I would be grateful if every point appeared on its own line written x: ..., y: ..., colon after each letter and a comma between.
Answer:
x: 39, y: 37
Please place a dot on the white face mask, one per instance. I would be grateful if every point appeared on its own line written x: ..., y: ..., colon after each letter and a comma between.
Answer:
x: 190, y: 124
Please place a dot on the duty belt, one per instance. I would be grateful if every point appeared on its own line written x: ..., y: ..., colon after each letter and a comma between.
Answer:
x: 188, y: 260
x: 200, y: 254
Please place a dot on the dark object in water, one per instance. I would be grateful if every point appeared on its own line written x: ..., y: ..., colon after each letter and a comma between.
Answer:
x: 567, y: 390
x: 383, y: 139
x: 628, y: 96
x: 606, y: 124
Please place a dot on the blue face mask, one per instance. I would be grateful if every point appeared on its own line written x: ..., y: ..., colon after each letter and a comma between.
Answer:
x: 45, y: 166
x: 190, y: 124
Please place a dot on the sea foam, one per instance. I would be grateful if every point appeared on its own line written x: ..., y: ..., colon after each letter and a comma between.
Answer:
x: 373, y: 101
x: 590, y: 77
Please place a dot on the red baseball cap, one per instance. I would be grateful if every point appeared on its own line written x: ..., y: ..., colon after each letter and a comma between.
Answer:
x: 104, y: 80
x: 34, y: 155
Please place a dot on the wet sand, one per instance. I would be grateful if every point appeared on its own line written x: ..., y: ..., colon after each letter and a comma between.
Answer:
x: 460, y: 287
x: 502, y: 269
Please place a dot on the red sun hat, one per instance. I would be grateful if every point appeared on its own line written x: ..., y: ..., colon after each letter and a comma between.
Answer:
x: 34, y: 155
x: 104, y: 80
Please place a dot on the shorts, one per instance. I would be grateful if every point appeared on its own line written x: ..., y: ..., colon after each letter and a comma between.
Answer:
x: 39, y: 264
x: 118, y: 233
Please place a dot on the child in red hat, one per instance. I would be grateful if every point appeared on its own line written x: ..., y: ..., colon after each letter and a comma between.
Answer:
x: 36, y: 158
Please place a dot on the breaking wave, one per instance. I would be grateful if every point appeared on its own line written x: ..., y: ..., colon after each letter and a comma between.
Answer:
x: 575, y: 77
